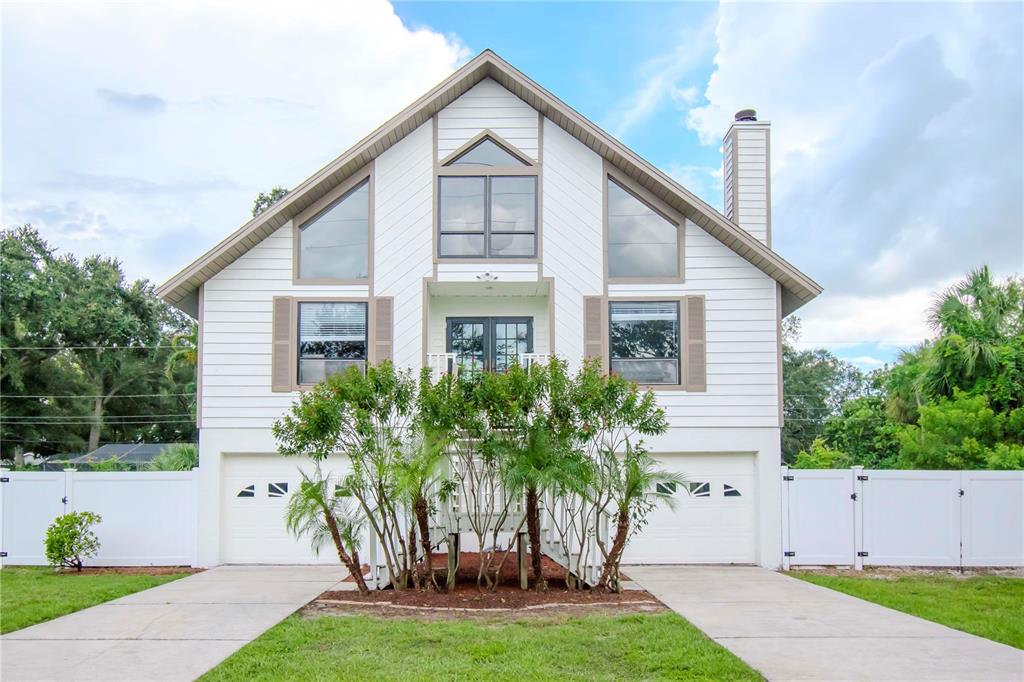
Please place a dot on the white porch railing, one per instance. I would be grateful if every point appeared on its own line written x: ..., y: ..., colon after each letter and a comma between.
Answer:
x: 526, y: 360
x: 441, y: 364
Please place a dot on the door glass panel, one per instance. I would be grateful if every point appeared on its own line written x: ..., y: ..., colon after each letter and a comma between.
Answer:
x: 510, y: 341
x: 488, y: 343
x: 467, y: 342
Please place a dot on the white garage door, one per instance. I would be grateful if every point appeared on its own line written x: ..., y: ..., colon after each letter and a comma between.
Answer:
x: 255, y: 490
x: 714, y: 517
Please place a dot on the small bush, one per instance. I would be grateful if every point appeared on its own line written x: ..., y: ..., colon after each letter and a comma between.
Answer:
x: 70, y: 539
x: 176, y: 457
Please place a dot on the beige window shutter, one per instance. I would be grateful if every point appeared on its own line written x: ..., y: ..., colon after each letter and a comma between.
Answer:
x: 696, y: 345
x: 383, y: 329
x: 281, y: 356
x: 593, y: 328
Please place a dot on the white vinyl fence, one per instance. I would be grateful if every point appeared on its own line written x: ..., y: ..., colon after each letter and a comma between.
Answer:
x: 859, y: 517
x: 149, y: 518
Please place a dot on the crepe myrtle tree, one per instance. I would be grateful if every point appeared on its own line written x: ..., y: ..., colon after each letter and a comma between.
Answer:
x: 367, y: 417
x: 614, y: 475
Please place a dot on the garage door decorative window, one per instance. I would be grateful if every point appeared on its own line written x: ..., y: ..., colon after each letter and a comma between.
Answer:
x: 668, y: 488
x: 277, y: 489
x: 247, y: 491
x: 730, y: 491
x: 698, y: 488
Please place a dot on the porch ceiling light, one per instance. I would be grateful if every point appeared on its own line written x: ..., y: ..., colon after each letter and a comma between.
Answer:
x: 487, y: 277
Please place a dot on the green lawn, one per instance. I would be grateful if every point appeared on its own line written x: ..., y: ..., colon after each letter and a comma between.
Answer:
x: 987, y: 606
x: 640, y: 646
x: 32, y: 594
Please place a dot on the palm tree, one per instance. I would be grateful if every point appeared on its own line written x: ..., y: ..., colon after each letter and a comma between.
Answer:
x: 315, y: 511
x: 972, y: 317
x: 414, y: 476
x: 636, y: 491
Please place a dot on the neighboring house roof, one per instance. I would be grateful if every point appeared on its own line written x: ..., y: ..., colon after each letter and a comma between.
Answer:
x: 132, y: 453
x: 181, y: 290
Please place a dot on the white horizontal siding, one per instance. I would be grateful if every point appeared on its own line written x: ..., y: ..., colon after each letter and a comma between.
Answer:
x: 403, y: 244
x: 741, y: 337
x: 487, y: 105
x: 750, y: 177
x: 572, y: 233
x: 443, y: 307
x: 473, y: 272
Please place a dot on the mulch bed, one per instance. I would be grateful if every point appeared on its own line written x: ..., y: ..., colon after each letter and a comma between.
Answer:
x: 466, y: 599
x: 131, y: 570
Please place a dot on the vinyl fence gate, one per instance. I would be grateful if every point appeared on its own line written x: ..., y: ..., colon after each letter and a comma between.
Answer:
x: 860, y: 517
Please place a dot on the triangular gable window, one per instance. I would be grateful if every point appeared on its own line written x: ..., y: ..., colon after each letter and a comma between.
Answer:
x: 487, y: 152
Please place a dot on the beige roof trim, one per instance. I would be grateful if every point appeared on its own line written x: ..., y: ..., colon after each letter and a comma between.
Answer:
x: 181, y: 290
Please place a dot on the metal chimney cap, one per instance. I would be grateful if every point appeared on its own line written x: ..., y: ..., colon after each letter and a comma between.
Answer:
x: 746, y: 115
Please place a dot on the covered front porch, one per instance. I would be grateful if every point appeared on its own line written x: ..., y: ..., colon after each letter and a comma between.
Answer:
x: 487, y: 325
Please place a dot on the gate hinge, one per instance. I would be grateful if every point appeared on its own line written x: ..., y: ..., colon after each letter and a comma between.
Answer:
x: 862, y: 553
x: 789, y: 553
x: 787, y: 478
x: 961, y: 492
x: 3, y: 554
x: 853, y: 496
x: 64, y: 500
x: 5, y: 479
x: 862, y: 477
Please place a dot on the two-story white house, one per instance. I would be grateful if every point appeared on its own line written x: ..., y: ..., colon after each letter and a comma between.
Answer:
x: 485, y: 222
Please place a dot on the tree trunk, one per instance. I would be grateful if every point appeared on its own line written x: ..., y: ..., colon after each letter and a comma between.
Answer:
x: 413, y: 571
x: 97, y: 424
x: 533, y: 530
x: 611, y: 564
x: 352, y: 562
x: 423, y: 521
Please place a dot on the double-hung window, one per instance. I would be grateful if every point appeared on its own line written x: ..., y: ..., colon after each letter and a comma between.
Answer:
x: 332, y: 338
x: 487, y: 204
x: 644, y: 341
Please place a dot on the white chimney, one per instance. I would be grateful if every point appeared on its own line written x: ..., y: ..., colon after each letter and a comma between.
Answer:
x: 746, y: 174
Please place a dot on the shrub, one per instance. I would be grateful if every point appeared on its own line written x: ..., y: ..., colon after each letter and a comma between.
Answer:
x: 821, y: 456
x: 70, y: 539
x: 176, y: 457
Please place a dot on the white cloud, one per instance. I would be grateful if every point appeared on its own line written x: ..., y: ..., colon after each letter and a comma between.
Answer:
x: 896, y: 148
x: 659, y: 78
x: 145, y: 130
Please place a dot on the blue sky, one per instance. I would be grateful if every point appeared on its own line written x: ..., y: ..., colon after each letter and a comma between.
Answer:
x: 145, y: 130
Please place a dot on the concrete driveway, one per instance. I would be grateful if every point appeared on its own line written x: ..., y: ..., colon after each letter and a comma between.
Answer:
x: 176, y: 631
x: 789, y: 629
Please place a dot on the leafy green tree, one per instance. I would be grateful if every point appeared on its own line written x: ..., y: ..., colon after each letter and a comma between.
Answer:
x: 963, y: 432
x: 77, y: 341
x: 815, y: 385
x: 267, y: 199
x: 864, y: 433
x: 973, y: 318
x: 821, y: 456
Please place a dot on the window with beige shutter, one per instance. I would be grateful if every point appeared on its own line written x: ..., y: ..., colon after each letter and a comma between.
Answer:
x: 593, y: 328
x: 383, y: 329
x: 696, y: 345
x: 281, y: 354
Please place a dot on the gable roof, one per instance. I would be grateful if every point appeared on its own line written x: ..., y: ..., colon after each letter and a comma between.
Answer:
x: 181, y: 290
